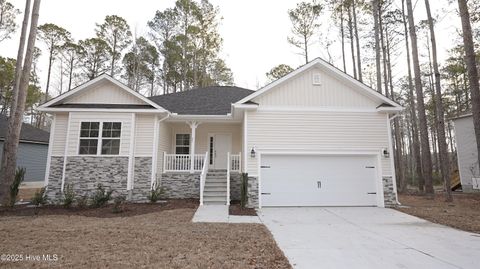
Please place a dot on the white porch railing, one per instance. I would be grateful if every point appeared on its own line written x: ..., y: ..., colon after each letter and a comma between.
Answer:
x: 228, y: 177
x: 235, y: 162
x: 203, y: 176
x: 182, y: 162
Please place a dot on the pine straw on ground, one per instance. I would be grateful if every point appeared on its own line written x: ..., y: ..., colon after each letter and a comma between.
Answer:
x: 463, y: 213
x: 164, y: 239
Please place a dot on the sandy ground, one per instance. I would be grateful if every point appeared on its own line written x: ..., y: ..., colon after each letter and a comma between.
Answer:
x: 463, y: 213
x: 164, y: 239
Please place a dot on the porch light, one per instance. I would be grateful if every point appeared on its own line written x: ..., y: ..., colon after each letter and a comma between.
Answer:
x: 386, y: 154
x: 253, y: 152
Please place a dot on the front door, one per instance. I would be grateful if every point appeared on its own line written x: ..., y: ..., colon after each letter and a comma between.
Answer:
x: 220, y: 145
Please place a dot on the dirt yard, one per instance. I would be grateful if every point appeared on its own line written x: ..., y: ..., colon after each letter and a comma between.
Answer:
x: 160, y: 238
x: 463, y: 213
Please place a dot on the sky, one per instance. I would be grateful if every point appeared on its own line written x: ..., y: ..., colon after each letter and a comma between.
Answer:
x: 254, y: 31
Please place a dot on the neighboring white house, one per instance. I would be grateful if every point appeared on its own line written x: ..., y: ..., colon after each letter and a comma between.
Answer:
x: 467, y: 153
x: 316, y: 137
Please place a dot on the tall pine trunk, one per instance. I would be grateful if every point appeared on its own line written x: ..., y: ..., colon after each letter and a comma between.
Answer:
x: 424, y: 141
x: 417, y: 164
x: 342, y: 34
x: 377, y: 44
x: 18, y: 68
x: 471, y: 69
x: 352, y: 42
x: 13, y: 134
x: 442, y: 140
x: 357, y: 41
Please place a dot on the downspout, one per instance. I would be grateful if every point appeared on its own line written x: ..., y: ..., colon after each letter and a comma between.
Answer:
x: 392, y: 160
x: 155, y: 149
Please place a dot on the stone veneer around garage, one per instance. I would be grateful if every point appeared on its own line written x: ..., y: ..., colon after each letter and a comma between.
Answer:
x: 252, y: 192
x: 389, y: 195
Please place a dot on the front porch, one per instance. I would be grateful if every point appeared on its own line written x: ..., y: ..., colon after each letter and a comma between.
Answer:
x: 205, y: 157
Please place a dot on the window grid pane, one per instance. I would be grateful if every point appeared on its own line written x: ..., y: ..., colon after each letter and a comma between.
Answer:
x: 182, y: 144
x: 88, y: 147
x: 110, y: 146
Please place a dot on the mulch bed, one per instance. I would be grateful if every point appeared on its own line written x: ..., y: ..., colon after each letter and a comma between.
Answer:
x: 236, y: 209
x: 107, y: 211
x: 463, y: 213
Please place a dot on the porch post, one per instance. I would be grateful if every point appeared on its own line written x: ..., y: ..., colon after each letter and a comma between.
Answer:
x: 193, y: 126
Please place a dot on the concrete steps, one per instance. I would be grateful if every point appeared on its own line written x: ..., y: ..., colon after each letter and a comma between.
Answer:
x: 215, y: 191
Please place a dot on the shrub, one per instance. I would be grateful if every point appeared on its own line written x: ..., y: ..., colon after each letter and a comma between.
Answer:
x: 156, y: 193
x: 19, y: 176
x: 119, y: 204
x: 68, y: 196
x: 82, y: 201
x: 101, y: 196
x: 39, y: 197
x: 243, y: 190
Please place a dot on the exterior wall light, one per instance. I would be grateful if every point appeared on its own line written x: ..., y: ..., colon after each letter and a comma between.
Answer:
x: 385, y: 153
x: 253, y: 152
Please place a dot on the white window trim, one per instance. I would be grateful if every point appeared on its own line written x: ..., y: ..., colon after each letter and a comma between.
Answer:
x: 99, y: 139
x: 175, y: 142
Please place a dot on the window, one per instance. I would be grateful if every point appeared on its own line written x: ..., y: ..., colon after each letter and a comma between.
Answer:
x: 90, y: 136
x: 211, y: 150
x: 182, y: 144
x: 111, y: 138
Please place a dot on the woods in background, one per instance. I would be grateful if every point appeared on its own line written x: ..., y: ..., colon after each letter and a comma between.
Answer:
x: 181, y: 51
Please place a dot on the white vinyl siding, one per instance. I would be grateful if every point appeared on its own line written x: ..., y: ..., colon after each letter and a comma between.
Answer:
x: 104, y: 93
x: 60, y: 134
x: 204, y: 129
x: 299, y: 91
x: 314, y: 132
x: 466, y: 151
x: 78, y: 117
x: 144, y: 133
x: 164, y: 142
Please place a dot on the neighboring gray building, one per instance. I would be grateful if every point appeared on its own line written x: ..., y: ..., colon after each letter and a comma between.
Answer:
x: 32, y: 150
x: 467, y: 153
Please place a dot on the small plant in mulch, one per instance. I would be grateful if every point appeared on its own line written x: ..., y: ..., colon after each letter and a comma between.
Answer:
x: 39, y: 198
x: 119, y: 204
x: 68, y: 196
x: 14, y: 188
x: 243, y: 190
x: 156, y: 193
x: 101, y: 196
x: 82, y: 201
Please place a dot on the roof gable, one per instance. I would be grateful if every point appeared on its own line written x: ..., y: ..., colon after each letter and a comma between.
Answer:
x: 101, y: 91
x: 301, y: 91
x: 329, y: 75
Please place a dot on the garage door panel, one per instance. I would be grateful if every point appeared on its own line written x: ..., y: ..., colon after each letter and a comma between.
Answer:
x: 309, y: 180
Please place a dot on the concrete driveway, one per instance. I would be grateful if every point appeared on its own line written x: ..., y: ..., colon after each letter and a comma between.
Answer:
x: 368, y: 237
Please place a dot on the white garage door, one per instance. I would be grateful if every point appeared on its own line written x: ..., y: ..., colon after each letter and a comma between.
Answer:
x: 313, y: 180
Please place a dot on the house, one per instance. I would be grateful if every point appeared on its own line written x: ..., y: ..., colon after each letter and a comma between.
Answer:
x: 32, y: 152
x: 467, y: 153
x: 316, y: 137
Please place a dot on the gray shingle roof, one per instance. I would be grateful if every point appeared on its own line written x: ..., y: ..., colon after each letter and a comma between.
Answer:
x: 214, y: 100
x: 27, y: 134
x: 119, y: 106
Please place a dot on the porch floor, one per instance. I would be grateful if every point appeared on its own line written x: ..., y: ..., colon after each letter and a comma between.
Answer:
x: 219, y: 213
